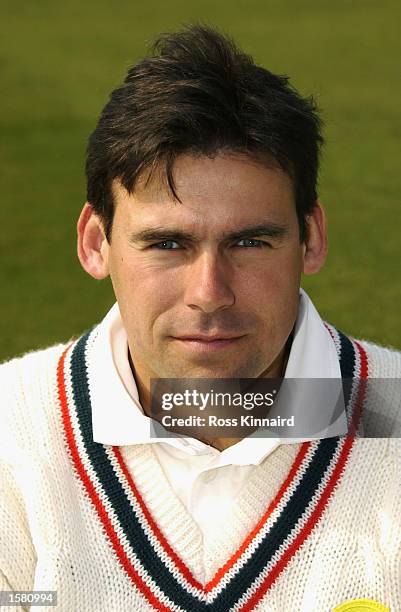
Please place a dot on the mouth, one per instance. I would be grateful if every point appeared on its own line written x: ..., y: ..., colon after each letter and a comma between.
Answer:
x: 207, y: 343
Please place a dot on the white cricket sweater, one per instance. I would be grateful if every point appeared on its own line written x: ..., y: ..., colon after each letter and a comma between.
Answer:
x: 317, y: 524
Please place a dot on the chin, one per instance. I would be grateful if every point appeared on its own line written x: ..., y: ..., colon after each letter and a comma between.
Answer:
x: 214, y: 371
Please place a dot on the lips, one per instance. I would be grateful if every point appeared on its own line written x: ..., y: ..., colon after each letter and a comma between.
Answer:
x: 201, y: 343
x: 214, y: 338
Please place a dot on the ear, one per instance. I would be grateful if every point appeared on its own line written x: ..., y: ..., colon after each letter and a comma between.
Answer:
x: 92, y: 246
x: 316, y: 240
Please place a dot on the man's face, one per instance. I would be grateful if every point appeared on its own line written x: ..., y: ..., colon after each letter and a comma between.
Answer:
x: 209, y: 286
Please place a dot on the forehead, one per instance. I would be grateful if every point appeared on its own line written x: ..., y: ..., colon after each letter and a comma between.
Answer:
x: 212, y: 191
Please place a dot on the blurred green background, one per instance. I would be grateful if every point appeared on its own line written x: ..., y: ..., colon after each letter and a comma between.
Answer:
x: 60, y: 60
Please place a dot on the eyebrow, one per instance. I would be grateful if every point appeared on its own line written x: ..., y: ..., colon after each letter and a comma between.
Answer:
x: 269, y: 230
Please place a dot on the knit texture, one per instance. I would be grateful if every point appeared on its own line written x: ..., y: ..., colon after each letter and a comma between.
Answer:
x: 317, y: 524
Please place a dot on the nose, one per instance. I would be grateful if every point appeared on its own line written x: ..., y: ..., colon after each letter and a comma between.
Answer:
x: 208, y: 284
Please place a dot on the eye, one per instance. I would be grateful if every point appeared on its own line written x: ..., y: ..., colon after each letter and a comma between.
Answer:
x: 166, y: 245
x: 251, y: 243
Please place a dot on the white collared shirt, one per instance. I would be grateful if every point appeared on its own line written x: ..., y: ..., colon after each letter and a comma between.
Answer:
x: 202, y: 476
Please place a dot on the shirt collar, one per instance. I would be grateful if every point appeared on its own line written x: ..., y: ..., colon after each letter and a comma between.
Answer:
x: 313, y: 353
x: 118, y: 418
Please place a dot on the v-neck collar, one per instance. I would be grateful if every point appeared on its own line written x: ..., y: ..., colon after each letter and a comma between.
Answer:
x: 142, y: 548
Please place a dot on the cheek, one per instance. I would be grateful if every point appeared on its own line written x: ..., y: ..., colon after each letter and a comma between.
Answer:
x: 271, y: 292
x: 142, y: 292
x: 274, y: 280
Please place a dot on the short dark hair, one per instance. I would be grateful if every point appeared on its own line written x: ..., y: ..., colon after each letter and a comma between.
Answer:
x: 198, y: 93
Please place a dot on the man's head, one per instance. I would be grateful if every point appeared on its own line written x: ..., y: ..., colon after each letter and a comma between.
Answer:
x: 202, y: 207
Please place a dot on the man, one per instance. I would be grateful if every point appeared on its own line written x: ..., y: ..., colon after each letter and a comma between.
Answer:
x: 202, y: 208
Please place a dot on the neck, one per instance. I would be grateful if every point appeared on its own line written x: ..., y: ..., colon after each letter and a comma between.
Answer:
x: 275, y: 370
